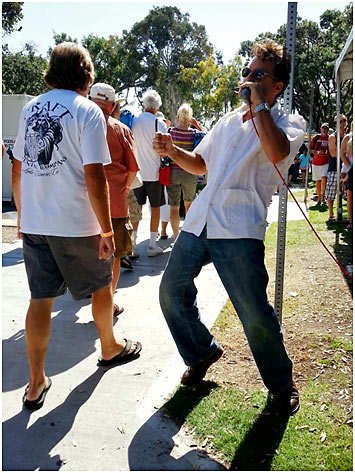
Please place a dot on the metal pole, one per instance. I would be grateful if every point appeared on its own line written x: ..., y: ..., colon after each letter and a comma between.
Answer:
x: 309, y: 142
x: 339, y: 199
x: 287, y: 106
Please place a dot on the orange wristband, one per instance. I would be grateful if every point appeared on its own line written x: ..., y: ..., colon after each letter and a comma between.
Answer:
x: 106, y: 235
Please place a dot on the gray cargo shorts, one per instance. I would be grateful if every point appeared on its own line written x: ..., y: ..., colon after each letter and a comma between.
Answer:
x: 55, y: 264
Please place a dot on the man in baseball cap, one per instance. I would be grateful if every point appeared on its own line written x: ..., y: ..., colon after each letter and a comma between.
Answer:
x: 101, y: 91
x: 120, y: 175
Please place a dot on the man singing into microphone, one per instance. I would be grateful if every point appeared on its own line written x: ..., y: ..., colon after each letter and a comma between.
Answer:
x: 226, y: 225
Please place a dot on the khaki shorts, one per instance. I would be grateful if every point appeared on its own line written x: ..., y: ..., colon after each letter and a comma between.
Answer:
x: 123, y: 230
x: 135, y: 213
x: 54, y: 264
x: 181, y: 180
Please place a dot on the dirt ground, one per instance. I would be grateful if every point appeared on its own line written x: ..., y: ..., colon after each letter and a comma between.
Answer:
x: 317, y: 309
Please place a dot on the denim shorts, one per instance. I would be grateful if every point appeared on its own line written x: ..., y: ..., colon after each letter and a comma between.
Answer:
x: 55, y: 264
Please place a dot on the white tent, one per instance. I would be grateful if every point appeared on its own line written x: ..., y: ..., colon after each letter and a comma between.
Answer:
x: 343, y: 71
x: 344, y: 63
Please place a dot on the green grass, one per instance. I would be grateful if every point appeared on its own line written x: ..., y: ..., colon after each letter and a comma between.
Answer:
x: 298, y: 232
x: 238, y: 424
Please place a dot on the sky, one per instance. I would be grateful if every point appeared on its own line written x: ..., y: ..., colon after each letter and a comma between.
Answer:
x: 227, y: 23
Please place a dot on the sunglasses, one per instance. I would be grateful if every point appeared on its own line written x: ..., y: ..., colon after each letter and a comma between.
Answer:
x: 257, y: 74
x: 342, y: 121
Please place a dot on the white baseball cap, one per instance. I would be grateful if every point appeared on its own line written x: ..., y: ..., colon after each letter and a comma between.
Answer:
x: 101, y: 91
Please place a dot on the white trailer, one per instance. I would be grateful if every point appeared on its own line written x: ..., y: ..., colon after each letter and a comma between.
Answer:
x: 11, y: 110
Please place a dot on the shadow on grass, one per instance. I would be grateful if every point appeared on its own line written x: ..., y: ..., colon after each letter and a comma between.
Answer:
x: 343, y: 243
x: 186, y: 399
x: 259, y: 446
x: 343, y: 248
x: 256, y: 450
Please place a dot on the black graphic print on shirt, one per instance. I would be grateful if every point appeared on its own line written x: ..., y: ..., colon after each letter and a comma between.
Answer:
x: 43, y: 134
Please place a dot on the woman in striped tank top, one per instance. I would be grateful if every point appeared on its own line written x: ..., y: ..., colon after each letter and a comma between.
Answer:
x: 180, y: 180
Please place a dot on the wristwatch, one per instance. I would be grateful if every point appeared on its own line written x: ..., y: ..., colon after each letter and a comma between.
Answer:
x: 262, y: 106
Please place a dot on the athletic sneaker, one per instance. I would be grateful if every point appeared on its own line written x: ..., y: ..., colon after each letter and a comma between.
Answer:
x: 154, y: 251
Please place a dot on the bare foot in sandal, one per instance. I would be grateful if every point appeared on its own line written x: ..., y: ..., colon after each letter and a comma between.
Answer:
x: 129, y: 351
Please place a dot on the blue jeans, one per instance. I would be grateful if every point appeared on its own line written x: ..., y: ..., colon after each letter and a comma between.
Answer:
x: 240, y: 266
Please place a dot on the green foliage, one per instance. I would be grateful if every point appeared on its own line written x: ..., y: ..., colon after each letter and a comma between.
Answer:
x: 159, y: 47
x: 210, y: 88
x: 317, y: 48
x: 11, y: 15
x: 22, y: 72
x: 61, y: 38
x: 109, y: 58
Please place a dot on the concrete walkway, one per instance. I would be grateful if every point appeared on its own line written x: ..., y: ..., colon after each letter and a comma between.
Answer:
x: 95, y: 419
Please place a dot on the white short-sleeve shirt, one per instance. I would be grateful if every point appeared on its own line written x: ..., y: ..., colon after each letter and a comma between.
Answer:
x: 241, y: 178
x: 143, y: 129
x: 59, y: 133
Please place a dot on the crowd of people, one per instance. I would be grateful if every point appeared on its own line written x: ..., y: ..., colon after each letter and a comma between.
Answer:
x: 81, y: 177
x: 323, y: 152
x: 321, y: 158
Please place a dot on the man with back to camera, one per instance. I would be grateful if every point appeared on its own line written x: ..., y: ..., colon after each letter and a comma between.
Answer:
x: 143, y: 129
x: 120, y: 175
x: 62, y: 199
x: 226, y: 225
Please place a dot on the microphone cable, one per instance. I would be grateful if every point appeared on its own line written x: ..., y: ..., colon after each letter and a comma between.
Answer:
x: 298, y: 205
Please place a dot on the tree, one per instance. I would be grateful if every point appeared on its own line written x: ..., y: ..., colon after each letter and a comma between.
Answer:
x: 210, y: 88
x: 22, y: 72
x: 60, y: 38
x: 158, y: 47
x: 11, y: 15
x: 317, y: 48
x: 108, y: 57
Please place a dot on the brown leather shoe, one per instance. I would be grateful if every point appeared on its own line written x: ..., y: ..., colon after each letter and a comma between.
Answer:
x: 288, y: 401
x: 195, y: 374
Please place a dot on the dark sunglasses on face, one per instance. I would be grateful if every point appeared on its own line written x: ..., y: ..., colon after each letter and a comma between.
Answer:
x: 257, y: 74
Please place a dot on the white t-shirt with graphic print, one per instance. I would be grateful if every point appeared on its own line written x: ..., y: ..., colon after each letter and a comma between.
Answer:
x: 59, y: 133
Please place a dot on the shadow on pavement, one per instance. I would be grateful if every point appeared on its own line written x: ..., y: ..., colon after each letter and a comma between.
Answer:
x: 12, y: 257
x: 144, y: 265
x: 29, y: 448
x: 70, y: 343
x: 152, y: 446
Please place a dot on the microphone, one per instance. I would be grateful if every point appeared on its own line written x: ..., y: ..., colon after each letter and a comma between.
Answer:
x: 245, y: 95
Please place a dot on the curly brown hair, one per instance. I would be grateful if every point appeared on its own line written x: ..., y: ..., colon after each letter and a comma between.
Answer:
x: 70, y: 67
x: 269, y: 50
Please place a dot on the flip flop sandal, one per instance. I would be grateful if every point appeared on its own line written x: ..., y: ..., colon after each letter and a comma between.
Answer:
x: 126, y: 264
x: 37, y: 403
x: 117, y: 310
x: 124, y: 355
